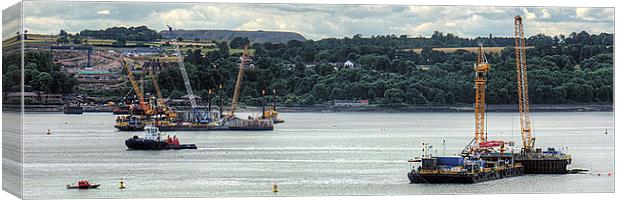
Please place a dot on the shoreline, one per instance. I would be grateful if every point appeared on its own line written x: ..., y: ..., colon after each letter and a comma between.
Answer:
x: 325, y: 108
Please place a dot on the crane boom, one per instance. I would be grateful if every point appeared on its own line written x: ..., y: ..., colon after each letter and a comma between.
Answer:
x: 188, y: 85
x: 481, y: 68
x: 235, y: 99
x: 136, y: 88
x: 524, y: 107
x: 160, y: 97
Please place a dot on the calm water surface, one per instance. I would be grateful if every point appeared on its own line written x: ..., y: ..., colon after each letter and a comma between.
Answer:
x: 311, y: 154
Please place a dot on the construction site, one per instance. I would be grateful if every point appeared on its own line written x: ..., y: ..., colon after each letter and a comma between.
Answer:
x: 154, y: 111
x: 484, y: 159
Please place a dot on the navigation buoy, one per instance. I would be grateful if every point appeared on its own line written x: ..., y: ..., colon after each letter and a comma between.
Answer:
x: 122, y: 184
x: 605, y: 131
x: 274, y: 188
x: 49, y: 131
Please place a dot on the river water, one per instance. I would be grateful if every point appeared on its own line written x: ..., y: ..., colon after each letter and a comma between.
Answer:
x: 311, y: 154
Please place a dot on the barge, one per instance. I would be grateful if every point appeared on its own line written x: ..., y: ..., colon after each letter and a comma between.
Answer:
x: 550, y: 161
x: 467, y: 168
x: 73, y: 108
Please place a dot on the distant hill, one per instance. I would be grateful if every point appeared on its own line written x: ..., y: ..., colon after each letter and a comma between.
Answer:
x: 227, y: 35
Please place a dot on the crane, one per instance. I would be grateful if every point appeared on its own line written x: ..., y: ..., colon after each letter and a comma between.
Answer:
x: 235, y: 99
x: 160, y: 97
x: 147, y: 109
x: 481, y: 68
x: 188, y: 85
x: 524, y: 106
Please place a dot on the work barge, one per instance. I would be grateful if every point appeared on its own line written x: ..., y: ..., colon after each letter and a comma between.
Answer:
x: 156, y: 113
x: 483, y: 159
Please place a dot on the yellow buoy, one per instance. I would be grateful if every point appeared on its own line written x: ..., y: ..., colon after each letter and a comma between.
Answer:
x: 122, y: 184
x: 274, y: 188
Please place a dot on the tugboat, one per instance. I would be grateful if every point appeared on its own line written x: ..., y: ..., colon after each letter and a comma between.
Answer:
x: 83, y: 184
x: 152, y: 140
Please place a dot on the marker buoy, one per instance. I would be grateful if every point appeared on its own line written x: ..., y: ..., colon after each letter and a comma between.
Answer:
x: 49, y: 131
x: 274, y: 188
x: 122, y: 184
x: 609, y: 174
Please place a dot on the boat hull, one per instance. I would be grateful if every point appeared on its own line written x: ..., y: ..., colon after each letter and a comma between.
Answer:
x: 141, y: 144
x: 416, y: 177
x: 83, y: 187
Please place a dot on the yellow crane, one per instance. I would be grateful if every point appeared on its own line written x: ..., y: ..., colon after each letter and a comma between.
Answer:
x: 147, y: 109
x: 235, y: 100
x: 481, y: 68
x: 524, y: 106
x: 160, y: 98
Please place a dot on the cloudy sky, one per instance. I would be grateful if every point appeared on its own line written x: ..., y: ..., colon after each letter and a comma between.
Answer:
x: 316, y: 21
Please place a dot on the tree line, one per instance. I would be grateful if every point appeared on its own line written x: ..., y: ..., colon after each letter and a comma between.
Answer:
x: 40, y: 74
x: 139, y: 33
x: 577, y: 68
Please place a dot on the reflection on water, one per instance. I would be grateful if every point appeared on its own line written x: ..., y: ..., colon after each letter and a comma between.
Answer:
x: 310, y: 154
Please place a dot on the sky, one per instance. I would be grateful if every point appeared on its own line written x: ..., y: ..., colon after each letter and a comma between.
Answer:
x: 316, y: 21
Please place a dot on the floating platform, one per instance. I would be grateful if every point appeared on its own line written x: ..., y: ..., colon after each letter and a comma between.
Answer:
x: 544, y: 162
x: 465, y: 169
x: 430, y: 176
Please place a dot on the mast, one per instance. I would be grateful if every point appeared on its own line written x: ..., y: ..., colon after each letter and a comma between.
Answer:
x: 524, y: 106
x: 481, y: 69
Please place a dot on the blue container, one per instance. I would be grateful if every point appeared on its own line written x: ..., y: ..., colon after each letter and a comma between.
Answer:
x: 450, y: 161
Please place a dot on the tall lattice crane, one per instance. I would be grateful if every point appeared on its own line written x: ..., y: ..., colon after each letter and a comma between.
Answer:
x: 524, y: 104
x: 235, y: 100
x: 188, y: 85
x: 481, y: 69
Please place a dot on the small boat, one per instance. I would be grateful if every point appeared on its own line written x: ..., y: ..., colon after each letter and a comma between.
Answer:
x: 83, y: 184
x: 153, y: 140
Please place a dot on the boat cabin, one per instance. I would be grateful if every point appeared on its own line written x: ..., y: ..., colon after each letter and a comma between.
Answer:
x: 152, y: 133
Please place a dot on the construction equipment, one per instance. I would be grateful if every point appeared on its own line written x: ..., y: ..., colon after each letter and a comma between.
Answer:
x: 481, y: 68
x: 524, y: 106
x: 272, y: 113
x: 188, y: 85
x: 235, y: 100
x: 160, y: 97
x: 145, y: 107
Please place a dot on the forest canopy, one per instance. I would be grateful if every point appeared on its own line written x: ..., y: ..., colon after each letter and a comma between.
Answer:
x: 577, y: 68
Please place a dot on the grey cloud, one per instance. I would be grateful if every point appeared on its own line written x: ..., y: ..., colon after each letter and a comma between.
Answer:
x: 319, y: 21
